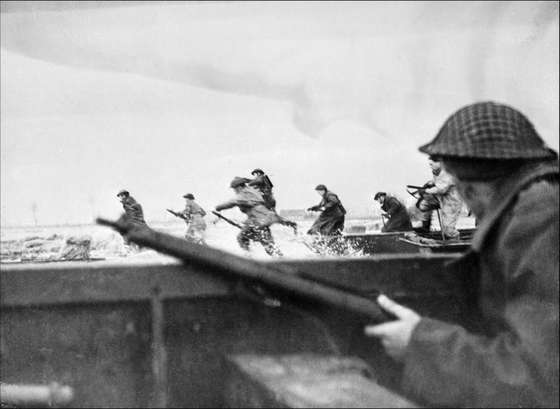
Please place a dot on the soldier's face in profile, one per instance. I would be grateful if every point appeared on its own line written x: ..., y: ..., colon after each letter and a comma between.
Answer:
x: 434, y: 165
x: 381, y: 199
x: 321, y: 192
x: 121, y: 198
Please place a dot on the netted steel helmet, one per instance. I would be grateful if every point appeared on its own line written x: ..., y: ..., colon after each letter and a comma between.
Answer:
x: 321, y: 187
x: 257, y: 171
x: 123, y: 193
x: 488, y: 130
x: 189, y: 196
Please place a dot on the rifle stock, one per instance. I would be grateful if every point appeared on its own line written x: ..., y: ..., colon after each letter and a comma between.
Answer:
x: 232, y: 265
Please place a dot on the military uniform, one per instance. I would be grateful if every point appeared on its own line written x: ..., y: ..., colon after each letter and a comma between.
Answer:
x: 133, y: 211
x: 399, y: 220
x: 264, y: 185
x: 512, y: 267
x: 259, y: 218
x: 331, y: 220
x: 442, y: 195
x: 194, y: 218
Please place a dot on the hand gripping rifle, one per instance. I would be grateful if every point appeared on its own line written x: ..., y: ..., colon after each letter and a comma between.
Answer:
x: 280, y: 278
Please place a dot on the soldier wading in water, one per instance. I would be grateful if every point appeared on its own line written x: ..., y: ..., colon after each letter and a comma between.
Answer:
x: 193, y: 215
x: 262, y: 182
x: 259, y: 217
x: 133, y: 213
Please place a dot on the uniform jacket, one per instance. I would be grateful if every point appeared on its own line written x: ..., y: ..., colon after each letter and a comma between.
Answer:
x: 264, y: 185
x: 331, y: 219
x: 399, y: 219
x: 250, y: 201
x: 513, y: 360
x: 194, y: 215
x: 133, y: 211
x: 450, y: 202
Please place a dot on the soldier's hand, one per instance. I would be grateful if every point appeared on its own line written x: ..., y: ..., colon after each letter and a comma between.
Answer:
x: 394, y: 335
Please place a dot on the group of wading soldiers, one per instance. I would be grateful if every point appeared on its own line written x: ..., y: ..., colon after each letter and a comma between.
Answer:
x: 509, y: 357
x: 254, y: 197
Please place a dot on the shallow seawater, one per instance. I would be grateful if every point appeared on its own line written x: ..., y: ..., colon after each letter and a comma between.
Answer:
x: 48, y: 241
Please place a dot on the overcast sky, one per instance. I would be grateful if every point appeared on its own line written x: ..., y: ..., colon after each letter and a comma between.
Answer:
x: 169, y: 98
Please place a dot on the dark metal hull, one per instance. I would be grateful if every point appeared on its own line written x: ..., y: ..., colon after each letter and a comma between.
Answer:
x: 163, y: 335
x: 397, y: 242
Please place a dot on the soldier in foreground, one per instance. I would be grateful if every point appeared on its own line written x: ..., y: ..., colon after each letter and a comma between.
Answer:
x: 132, y: 212
x: 509, y: 179
x: 331, y: 220
x: 259, y: 218
x: 398, y: 218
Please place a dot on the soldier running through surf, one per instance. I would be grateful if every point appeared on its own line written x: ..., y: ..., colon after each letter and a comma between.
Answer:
x: 327, y: 228
x: 256, y: 227
x: 262, y: 182
x: 133, y: 213
x: 193, y: 214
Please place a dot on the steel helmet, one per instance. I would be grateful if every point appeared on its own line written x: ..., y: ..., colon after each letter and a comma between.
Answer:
x: 488, y: 130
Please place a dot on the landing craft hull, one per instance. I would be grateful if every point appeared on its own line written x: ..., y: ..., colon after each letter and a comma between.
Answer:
x: 399, y: 242
x: 173, y: 335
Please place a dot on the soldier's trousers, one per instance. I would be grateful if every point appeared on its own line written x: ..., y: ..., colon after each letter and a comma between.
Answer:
x: 427, y: 205
x: 260, y: 235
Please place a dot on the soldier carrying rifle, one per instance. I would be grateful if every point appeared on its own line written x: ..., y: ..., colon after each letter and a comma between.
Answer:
x: 439, y: 194
x: 193, y: 215
x: 259, y: 217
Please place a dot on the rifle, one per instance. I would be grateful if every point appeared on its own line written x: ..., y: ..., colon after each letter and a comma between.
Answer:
x: 179, y: 215
x: 416, y: 187
x: 281, y: 278
x: 226, y: 219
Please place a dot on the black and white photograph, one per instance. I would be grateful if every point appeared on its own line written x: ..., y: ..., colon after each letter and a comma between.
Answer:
x: 263, y: 204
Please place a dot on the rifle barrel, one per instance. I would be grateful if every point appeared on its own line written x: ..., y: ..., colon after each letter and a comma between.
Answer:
x: 252, y: 270
x: 226, y: 219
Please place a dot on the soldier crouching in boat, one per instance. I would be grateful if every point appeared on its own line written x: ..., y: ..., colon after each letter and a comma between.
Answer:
x: 508, y: 177
x: 133, y: 213
x: 259, y: 218
x: 398, y: 218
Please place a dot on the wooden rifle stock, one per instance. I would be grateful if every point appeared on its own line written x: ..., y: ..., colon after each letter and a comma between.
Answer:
x: 251, y: 270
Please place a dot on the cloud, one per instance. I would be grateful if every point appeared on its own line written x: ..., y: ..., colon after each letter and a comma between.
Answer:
x: 373, y: 75
x: 167, y: 97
